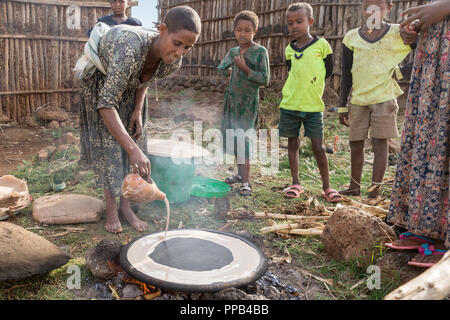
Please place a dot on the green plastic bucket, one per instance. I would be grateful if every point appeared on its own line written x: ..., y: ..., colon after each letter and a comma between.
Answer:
x: 204, y: 187
x: 174, y: 179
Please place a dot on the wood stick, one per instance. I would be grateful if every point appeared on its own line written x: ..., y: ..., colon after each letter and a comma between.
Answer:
x: 288, y: 216
x: 433, y: 284
x: 372, y: 209
x: 301, y: 232
x: 280, y: 227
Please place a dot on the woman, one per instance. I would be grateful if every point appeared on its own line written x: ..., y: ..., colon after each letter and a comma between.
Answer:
x: 420, y: 195
x: 113, y: 113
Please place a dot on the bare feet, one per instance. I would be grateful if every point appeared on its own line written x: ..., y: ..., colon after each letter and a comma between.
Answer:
x: 350, y: 192
x: 128, y: 215
x: 112, y: 223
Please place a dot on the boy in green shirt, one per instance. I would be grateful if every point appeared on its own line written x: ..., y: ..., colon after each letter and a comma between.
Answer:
x: 370, y: 58
x: 310, y: 61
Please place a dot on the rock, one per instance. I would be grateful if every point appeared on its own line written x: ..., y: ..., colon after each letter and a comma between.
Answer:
x: 63, y: 147
x: 24, y: 253
x: 53, y: 125
x: 31, y: 122
x: 69, y: 138
x: 43, y: 154
x: 198, y: 86
x: 204, y: 89
x: 58, y: 115
x: 351, y: 233
x: 177, y: 88
x: 79, y: 176
x: 67, y: 209
x: 97, y: 258
x: 131, y: 291
x: 272, y: 293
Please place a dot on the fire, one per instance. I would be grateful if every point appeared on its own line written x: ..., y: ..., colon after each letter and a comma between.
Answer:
x: 149, y: 291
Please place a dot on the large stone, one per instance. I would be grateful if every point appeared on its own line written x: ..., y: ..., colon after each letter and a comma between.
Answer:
x: 59, y: 115
x: 351, y: 233
x: 67, y: 209
x: 99, y: 258
x: 24, y: 253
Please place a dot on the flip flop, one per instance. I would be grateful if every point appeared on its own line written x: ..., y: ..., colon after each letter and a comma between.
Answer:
x: 332, y: 195
x: 406, y: 238
x: 245, y: 190
x: 296, y: 189
x: 427, y: 257
x: 234, y: 179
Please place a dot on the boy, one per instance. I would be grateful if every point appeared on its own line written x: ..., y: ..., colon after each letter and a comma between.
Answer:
x: 310, y: 61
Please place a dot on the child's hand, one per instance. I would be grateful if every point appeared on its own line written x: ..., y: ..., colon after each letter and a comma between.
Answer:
x: 343, y: 119
x: 240, y: 61
x: 408, y: 34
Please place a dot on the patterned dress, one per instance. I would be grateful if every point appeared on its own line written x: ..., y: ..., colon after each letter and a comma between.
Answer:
x: 420, y: 195
x: 241, y: 106
x: 122, y: 51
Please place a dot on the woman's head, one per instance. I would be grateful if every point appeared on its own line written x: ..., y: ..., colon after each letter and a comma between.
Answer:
x: 299, y: 18
x: 179, y: 32
x: 119, y: 7
x: 245, y: 26
x: 374, y: 12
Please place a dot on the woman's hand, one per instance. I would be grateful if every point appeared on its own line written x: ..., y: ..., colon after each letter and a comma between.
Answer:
x: 140, y: 163
x: 136, y: 126
x: 408, y: 35
x: 426, y: 15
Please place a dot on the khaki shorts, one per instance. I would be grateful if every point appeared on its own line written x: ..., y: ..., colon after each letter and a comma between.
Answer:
x: 381, y: 118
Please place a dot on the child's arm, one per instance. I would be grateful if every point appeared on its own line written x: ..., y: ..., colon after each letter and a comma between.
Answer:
x: 328, y: 65
x: 346, y: 83
x: 225, y: 64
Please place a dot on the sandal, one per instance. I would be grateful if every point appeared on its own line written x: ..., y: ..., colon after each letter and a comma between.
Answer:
x: 332, y: 195
x: 408, y: 241
x: 245, y: 190
x: 427, y: 257
x: 293, y: 191
x: 234, y: 179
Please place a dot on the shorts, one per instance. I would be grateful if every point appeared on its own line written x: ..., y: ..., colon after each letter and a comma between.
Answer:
x: 381, y: 118
x: 291, y: 122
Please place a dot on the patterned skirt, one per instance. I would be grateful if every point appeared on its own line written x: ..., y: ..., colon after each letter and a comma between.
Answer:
x: 98, y: 147
x: 420, y: 195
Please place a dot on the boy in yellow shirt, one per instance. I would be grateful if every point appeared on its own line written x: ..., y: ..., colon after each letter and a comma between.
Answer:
x: 370, y: 58
x: 310, y: 61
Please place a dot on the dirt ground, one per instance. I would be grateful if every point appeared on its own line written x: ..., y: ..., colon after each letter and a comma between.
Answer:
x: 167, y: 112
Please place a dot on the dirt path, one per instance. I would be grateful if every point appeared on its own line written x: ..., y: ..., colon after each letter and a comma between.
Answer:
x: 18, y: 144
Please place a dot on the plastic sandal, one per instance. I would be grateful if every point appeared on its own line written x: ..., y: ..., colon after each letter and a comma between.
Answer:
x: 332, y: 195
x: 296, y: 189
x: 245, y: 190
x: 234, y: 179
x: 426, y: 257
x: 409, y: 235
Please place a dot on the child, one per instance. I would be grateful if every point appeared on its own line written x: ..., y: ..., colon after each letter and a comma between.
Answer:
x: 310, y: 61
x: 113, y: 113
x: 370, y: 57
x: 119, y: 8
x: 250, y: 70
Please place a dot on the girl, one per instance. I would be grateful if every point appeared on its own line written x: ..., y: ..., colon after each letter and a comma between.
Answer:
x: 250, y: 70
x: 114, y: 113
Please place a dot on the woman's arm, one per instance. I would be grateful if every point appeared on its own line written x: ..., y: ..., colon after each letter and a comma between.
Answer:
x: 426, y: 15
x: 138, y: 160
x: 136, y: 125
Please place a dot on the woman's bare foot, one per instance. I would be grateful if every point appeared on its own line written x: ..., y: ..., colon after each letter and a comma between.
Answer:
x: 128, y: 215
x: 112, y: 223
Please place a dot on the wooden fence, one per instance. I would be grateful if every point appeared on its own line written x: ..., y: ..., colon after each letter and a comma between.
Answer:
x: 40, y: 41
x: 333, y: 18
